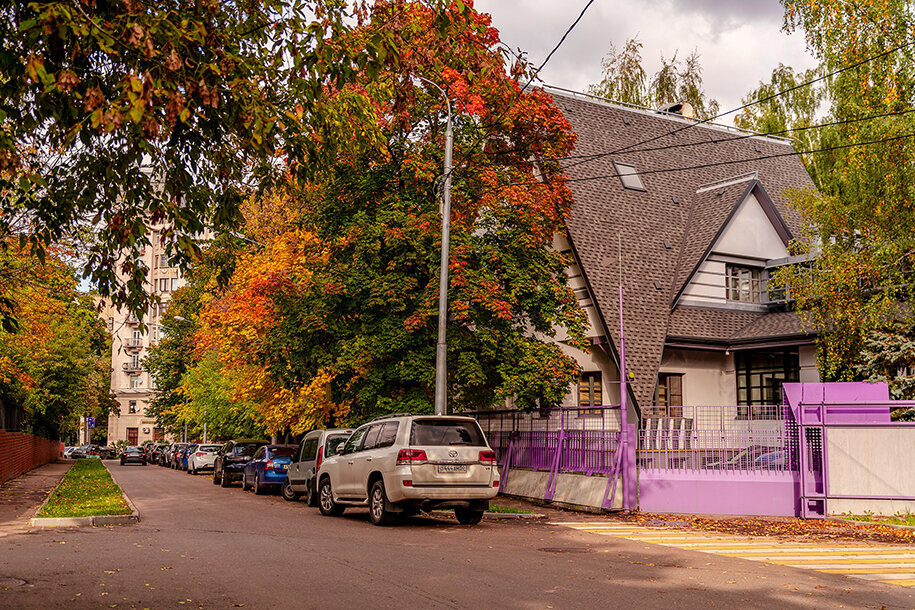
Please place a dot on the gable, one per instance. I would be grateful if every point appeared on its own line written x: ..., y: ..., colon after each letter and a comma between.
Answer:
x: 749, y: 233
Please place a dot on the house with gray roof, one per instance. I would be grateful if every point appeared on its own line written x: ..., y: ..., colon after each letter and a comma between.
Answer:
x: 690, y: 219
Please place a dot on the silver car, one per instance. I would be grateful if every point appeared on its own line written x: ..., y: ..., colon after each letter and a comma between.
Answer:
x: 300, y: 478
x: 202, y: 458
x: 402, y: 464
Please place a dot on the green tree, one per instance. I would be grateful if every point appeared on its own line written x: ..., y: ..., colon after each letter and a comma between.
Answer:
x: 115, y: 115
x: 791, y: 115
x: 889, y: 356
x: 209, y: 400
x: 624, y: 79
x: 860, y: 231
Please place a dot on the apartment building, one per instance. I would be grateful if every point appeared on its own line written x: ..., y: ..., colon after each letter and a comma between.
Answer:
x: 131, y: 384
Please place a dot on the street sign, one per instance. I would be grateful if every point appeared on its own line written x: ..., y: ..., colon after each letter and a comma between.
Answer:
x: 91, y: 422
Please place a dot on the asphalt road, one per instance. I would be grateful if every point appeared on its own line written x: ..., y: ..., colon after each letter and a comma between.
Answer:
x: 199, y: 545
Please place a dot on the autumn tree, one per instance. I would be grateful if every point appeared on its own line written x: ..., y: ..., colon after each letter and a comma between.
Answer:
x: 624, y: 79
x: 860, y: 237
x: 115, y: 115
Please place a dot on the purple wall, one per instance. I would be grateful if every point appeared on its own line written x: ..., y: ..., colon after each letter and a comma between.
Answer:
x: 719, y: 493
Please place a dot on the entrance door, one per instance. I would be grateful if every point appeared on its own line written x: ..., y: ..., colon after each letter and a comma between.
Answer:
x: 133, y: 435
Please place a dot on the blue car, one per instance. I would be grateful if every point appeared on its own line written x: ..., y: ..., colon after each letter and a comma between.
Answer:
x: 267, y: 469
x: 182, y: 465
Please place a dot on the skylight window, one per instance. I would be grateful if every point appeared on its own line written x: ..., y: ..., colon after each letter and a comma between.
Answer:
x: 629, y: 176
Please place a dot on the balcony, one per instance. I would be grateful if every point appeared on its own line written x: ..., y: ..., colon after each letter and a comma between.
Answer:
x: 133, y: 343
x: 132, y: 319
x: 132, y: 369
x: 734, y: 287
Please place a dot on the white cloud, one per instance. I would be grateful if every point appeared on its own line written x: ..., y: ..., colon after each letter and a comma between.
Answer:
x: 739, y: 41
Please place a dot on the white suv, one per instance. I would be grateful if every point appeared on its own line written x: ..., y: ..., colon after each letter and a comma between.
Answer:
x: 401, y: 464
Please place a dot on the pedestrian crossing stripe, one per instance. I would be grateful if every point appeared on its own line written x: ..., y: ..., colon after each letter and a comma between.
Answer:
x: 884, y: 563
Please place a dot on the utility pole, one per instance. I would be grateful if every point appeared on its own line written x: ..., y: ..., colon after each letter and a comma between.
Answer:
x: 441, y: 347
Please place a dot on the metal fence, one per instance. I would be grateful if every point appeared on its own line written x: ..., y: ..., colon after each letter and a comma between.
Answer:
x: 718, y: 438
x: 570, y: 439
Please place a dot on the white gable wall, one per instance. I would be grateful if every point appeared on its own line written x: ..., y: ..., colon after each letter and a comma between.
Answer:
x: 749, y: 235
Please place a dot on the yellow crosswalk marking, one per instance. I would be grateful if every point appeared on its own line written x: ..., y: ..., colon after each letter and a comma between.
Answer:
x: 880, y: 563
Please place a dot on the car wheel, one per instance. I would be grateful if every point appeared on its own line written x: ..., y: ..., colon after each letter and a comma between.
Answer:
x: 258, y: 488
x: 288, y: 494
x: 311, y: 496
x: 215, y: 478
x: 192, y: 471
x: 326, y: 503
x: 468, y: 516
x: 378, y: 510
x: 225, y: 481
x: 122, y: 462
x: 244, y: 482
x: 143, y: 462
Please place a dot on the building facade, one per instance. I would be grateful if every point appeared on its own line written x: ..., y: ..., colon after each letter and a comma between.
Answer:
x: 131, y: 384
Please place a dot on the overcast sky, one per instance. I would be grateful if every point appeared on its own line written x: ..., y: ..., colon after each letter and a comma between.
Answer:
x: 739, y: 41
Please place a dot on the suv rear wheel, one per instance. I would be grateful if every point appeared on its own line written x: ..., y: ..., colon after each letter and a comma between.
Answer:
x: 378, y: 510
x: 326, y: 503
x: 287, y: 492
x: 468, y: 516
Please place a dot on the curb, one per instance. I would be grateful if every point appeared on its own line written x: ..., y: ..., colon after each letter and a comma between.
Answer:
x: 855, y: 522
x: 494, y: 516
x: 93, y: 521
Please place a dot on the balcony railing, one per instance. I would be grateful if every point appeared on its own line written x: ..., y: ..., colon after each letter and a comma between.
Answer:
x: 133, y: 342
x: 742, y: 288
x: 129, y: 367
x: 132, y: 320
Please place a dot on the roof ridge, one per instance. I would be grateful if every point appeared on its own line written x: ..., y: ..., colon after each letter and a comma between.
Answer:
x: 730, y: 181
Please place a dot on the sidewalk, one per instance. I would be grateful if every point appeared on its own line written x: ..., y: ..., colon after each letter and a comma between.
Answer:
x: 21, y: 497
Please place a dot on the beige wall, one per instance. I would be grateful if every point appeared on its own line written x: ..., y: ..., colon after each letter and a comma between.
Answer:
x: 708, y: 377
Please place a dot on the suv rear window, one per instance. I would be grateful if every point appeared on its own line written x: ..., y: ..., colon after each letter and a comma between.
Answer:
x: 209, y: 448
x: 247, y: 448
x: 446, y: 432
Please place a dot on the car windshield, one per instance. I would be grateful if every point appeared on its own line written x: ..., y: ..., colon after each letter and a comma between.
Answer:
x: 246, y: 448
x: 332, y: 442
x: 446, y: 432
x: 282, y: 451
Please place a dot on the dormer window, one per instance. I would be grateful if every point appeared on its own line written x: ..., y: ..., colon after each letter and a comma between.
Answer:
x: 743, y: 284
x: 629, y: 176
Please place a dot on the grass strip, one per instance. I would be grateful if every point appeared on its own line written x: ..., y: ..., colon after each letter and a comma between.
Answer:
x: 495, y: 508
x: 86, y: 491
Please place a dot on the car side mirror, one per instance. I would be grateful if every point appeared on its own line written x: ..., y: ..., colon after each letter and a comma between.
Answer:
x: 341, y: 449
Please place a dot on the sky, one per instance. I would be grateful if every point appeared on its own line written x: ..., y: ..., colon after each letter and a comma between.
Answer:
x: 739, y: 42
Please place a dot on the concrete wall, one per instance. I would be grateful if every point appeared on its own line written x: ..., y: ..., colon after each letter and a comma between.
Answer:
x: 873, y: 462
x: 718, y: 493
x: 708, y: 377
x: 571, y: 489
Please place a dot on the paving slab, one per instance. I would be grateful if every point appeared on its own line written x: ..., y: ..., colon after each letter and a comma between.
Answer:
x: 21, y: 497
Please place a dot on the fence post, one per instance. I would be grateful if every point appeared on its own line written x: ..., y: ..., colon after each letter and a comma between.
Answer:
x: 629, y: 467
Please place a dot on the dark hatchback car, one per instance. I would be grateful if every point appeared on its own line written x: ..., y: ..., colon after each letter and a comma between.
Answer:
x: 133, y: 455
x: 232, y: 459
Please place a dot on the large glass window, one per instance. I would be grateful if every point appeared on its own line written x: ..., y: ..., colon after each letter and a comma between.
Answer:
x: 760, y: 375
x: 743, y: 284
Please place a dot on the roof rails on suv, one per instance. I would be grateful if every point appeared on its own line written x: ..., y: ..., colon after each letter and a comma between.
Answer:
x: 390, y: 415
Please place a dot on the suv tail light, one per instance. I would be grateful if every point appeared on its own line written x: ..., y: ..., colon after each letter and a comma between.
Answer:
x: 320, y: 457
x: 488, y: 457
x: 201, y: 453
x: 268, y: 465
x: 406, y: 457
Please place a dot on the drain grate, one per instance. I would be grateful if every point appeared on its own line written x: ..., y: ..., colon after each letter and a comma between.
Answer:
x: 566, y: 549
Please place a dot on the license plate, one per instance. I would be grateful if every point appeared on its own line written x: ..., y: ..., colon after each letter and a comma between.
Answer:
x: 448, y: 468
x: 280, y: 468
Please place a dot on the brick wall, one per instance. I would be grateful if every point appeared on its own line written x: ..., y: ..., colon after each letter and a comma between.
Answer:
x: 21, y: 452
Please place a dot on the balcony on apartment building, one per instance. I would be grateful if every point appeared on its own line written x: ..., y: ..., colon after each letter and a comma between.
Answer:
x: 132, y: 319
x: 133, y: 343
x: 132, y: 368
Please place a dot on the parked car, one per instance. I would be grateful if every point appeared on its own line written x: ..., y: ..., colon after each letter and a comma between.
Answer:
x: 267, y: 468
x: 774, y: 460
x: 133, y: 455
x: 68, y: 451
x: 85, y: 451
x: 300, y: 478
x: 231, y: 459
x: 401, y: 464
x: 174, y: 456
x: 153, y: 453
x: 164, y: 454
x: 742, y: 460
x: 182, y: 456
x: 202, y: 458
x: 108, y: 453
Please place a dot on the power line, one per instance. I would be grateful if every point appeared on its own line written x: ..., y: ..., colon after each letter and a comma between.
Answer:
x: 753, y: 103
x: 707, y: 165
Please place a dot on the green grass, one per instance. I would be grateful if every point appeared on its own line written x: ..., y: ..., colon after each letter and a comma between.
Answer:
x: 906, y: 518
x: 495, y: 508
x: 87, y: 490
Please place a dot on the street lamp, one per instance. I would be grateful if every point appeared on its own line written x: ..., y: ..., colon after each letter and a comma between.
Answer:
x: 441, y: 347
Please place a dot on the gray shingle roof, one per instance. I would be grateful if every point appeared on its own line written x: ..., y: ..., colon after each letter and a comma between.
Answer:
x: 604, y: 210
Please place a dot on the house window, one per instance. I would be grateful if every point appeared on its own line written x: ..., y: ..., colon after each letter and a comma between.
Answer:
x: 668, y: 397
x: 629, y: 176
x: 743, y: 284
x: 132, y: 406
x: 760, y: 375
x: 590, y: 392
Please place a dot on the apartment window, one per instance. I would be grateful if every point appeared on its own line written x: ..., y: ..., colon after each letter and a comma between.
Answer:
x: 133, y: 435
x: 136, y: 382
x: 668, y: 397
x: 629, y: 176
x: 760, y: 375
x: 135, y: 361
x: 174, y: 284
x: 132, y: 407
x: 590, y: 392
x: 110, y: 323
x: 163, y: 284
x: 743, y: 284
x: 158, y: 434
